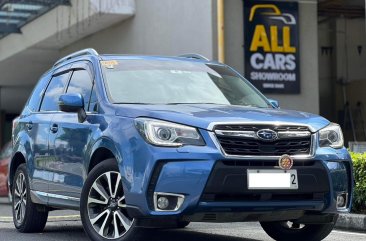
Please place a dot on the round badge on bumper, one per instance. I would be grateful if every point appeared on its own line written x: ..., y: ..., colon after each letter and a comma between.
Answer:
x: 285, y: 162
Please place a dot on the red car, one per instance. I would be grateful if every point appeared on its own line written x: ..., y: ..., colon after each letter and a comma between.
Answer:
x: 5, y: 156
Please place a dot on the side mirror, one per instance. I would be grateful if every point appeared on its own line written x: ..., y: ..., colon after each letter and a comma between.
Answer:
x: 274, y: 103
x: 73, y: 103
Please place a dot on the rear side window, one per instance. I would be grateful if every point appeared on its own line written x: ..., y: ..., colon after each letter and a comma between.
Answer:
x: 53, y: 92
x: 81, y: 83
x: 35, y: 99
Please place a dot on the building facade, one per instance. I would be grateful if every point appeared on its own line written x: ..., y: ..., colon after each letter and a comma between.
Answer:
x: 330, y: 41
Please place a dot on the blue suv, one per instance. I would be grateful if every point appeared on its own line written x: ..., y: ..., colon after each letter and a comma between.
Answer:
x: 142, y: 141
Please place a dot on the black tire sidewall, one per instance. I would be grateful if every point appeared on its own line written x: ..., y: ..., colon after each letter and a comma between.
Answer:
x: 182, y: 224
x: 98, y: 170
x: 311, y: 232
x: 34, y: 220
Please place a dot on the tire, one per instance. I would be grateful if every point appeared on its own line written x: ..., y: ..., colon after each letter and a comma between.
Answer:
x: 27, y: 216
x: 10, y: 196
x: 309, y: 232
x: 103, y: 209
x: 182, y: 224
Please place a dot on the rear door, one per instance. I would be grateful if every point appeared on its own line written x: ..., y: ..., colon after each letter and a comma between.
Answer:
x: 68, y: 144
x: 26, y: 131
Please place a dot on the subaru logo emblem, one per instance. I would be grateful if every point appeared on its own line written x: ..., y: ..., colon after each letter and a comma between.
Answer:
x: 267, y: 135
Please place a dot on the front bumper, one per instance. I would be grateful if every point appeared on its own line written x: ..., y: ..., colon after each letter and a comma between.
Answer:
x: 211, y: 185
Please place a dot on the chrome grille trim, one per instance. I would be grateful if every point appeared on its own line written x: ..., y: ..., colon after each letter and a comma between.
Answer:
x: 252, y: 134
x: 300, y: 134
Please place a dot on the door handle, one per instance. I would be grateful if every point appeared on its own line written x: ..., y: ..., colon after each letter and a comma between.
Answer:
x: 29, y: 125
x: 54, y: 128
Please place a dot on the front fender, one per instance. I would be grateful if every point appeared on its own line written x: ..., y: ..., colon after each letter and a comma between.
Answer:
x: 107, y: 143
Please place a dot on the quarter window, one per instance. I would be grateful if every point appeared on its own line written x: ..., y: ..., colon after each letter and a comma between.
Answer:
x: 53, y: 92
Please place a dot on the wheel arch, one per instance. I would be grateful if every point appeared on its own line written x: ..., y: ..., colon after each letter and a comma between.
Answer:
x: 17, y: 159
x: 103, y: 149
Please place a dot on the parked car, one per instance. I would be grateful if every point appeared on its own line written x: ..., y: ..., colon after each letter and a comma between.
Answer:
x: 5, y: 156
x: 141, y: 141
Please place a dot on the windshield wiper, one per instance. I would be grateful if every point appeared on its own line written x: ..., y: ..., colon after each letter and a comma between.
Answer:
x: 195, y: 103
x: 132, y: 103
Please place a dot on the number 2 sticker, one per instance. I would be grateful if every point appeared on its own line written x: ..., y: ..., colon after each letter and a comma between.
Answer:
x: 293, y: 179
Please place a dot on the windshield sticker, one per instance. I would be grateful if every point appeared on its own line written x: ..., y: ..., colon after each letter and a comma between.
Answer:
x: 109, y: 64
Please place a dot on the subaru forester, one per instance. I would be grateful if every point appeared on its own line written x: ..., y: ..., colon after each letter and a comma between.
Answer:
x: 159, y: 142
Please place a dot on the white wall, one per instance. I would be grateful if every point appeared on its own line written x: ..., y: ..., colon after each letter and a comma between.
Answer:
x: 350, y: 68
x: 350, y: 35
x: 172, y: 27
x: 327, y: 72
x: 164, y: 27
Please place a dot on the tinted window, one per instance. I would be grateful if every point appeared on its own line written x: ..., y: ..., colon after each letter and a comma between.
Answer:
x: 53, y: 92
x: 81, y: 83
x: 177, y: 82
x: 35, y: 99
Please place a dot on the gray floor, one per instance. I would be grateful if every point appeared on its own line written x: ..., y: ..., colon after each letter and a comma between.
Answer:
x: 65, y: 225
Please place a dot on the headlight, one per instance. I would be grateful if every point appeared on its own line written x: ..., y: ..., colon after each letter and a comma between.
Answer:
x: 331, y: 136
x: 163, y: 133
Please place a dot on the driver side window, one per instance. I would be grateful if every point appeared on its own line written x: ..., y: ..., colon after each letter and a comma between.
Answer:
x: 81, y: 83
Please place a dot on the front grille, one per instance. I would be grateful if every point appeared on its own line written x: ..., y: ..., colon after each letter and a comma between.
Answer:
x: 258, y: 127
x: 244, y: 146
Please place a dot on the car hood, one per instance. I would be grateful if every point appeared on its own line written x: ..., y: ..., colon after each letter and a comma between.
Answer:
x: 205, y: 116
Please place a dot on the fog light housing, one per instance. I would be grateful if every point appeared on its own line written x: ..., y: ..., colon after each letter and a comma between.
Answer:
x: 342, y: 199
x: 167, y: 201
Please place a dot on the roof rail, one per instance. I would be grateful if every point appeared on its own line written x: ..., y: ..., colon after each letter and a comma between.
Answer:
x: 88, y: 51
x: 194, y: 56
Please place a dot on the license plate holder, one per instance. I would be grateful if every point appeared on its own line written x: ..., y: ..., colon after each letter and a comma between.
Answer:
x: 268, y: 179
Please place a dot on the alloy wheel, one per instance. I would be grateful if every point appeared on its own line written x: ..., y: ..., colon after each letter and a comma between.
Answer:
x: 107, y: 207
x: 20, y: 198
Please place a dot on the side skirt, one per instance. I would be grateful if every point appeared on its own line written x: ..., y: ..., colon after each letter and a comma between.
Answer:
x: 55, y: 200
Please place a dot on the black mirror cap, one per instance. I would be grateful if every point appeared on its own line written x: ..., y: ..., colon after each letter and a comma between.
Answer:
x: 71, y: 102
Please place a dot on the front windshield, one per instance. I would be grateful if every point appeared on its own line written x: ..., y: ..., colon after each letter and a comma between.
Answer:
x: 176, y: 82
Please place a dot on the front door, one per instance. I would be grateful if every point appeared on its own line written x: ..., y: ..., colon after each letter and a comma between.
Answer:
x: 38, y: 127
x: 69, y: 140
